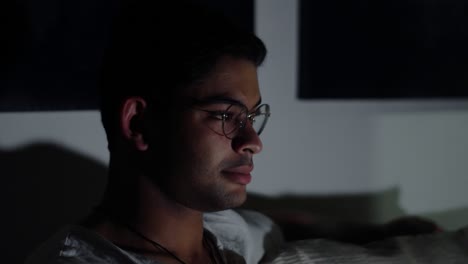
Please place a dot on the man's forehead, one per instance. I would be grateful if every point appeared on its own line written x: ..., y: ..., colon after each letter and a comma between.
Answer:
x: 231, y: 79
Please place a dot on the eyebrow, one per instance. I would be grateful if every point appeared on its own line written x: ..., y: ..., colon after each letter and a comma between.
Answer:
x: 227, y: 99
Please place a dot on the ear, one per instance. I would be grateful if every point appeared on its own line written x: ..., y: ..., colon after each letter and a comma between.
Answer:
x: 132, y: 116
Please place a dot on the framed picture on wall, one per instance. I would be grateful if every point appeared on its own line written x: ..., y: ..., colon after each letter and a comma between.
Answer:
x: 55, y: 48
x: 383, y: 49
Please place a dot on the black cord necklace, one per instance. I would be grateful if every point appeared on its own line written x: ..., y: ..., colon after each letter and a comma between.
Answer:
x: 155, y: 244
x: 212, y: 255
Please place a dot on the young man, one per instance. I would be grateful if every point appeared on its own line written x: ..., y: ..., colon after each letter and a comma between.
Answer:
x: 182, y: 110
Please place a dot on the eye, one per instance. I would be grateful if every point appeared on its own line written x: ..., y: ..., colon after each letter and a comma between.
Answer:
x: 222, y: 115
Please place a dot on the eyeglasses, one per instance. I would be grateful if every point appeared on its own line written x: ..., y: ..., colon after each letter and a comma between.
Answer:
x: 234, y: 116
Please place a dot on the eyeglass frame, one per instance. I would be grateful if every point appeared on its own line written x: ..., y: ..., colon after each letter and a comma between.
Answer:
x: 250, y: 114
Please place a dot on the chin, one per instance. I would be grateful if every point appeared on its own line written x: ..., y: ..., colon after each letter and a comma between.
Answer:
x: 228, y: 201
x: 236, y: 199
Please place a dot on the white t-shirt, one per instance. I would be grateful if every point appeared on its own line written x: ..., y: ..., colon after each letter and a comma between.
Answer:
x: 242, y: 236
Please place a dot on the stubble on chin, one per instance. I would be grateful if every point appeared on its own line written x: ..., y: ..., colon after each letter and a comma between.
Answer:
x: 215, y: 194
x: 226, y: 194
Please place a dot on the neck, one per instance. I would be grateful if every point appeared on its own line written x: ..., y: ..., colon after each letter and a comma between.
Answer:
x: 136, y: 201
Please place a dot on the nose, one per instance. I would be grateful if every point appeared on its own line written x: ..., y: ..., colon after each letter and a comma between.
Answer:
x: 247, y: 140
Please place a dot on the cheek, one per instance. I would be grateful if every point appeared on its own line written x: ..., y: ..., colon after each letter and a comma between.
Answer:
x: 215, y: 126
x: 208, y: 150
x: 211, y: 146
x: 200, y: 145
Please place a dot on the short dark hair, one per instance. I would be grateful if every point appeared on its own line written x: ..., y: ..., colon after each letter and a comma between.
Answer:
x: 158, y: 49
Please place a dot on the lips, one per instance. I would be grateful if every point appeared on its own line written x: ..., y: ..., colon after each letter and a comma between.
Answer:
x: 239, y: 174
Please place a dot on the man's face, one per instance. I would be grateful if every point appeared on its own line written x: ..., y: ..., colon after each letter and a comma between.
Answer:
x: 210, y: 171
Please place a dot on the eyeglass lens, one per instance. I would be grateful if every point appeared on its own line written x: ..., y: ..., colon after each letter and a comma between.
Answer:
x: 237, y: 117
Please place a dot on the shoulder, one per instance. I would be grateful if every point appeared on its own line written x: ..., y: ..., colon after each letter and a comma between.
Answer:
x: 76, y: 245
x: 248, y: 233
